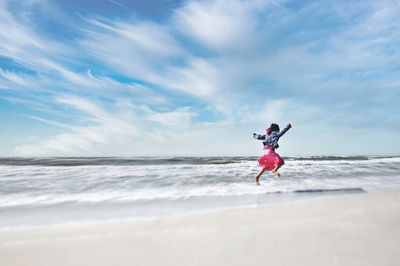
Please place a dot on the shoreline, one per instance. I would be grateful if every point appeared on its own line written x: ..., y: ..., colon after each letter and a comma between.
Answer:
x: 351, y: 229
x: 70, y: 214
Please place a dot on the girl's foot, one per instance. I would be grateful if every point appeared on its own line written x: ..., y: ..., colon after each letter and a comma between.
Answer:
x: 276, y: 173
x: 257, y: 181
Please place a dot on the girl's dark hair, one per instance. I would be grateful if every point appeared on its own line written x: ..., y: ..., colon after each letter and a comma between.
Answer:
x: 274, y: 127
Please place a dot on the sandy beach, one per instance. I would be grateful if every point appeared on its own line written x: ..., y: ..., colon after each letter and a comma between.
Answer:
x: 360, y: 229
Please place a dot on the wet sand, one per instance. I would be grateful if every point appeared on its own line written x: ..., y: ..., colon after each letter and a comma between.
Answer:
x: 355, y: 229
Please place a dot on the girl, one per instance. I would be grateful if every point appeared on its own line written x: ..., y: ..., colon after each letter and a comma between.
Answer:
x: 270, y: 161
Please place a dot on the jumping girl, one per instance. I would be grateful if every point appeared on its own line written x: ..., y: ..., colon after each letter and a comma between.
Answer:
x: 270, y: 161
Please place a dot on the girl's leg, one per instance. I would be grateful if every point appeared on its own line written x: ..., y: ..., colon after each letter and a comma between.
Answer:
x: 279, y: 164
x: 275, y: 171
x: 258, y: 176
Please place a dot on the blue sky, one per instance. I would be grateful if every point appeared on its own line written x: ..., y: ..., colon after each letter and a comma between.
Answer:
x: 166, y: 78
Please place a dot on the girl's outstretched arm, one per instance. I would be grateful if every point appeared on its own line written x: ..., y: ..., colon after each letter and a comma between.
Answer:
x: 280, y: 134
x: 260, y: 137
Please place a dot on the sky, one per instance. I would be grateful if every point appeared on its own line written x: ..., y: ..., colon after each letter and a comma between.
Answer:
x: 198, y: 78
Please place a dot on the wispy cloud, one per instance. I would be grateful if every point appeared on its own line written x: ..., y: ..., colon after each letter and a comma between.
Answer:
x: 117, y: 3
x: 135, y: 50
x: 218, y: 25
x: 109, y: 129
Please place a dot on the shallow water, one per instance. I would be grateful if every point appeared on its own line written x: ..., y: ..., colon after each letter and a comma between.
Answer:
x: 57, y: 190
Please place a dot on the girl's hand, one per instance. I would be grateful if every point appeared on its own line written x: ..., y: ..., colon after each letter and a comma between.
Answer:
x: 289, y: 125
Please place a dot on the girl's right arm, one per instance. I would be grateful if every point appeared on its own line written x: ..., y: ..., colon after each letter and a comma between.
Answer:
x: 260, y: 137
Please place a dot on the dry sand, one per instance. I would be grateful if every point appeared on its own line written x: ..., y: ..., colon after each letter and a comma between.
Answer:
x: 361, y: 229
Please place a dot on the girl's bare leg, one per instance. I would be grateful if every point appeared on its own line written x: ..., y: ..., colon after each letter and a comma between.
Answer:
x: 276, y: 169
x: 280, y: 163
x: 258, y: 176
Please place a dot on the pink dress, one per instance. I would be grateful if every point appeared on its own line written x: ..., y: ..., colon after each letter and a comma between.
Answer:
x: 270, y: 159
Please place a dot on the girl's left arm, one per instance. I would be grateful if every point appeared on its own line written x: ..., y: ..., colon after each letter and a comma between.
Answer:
x: 280, y: 134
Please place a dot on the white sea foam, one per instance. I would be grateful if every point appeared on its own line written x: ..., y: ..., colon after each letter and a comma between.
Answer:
x: 37, y: 184
x: 159, y: 185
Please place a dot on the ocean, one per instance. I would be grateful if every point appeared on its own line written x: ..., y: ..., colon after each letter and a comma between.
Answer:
x: 53, y: 191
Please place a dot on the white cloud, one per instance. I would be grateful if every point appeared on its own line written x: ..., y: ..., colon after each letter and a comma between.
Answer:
x: 274, y: 110
x: 224, y: 26
x: 180, y: 118
x: 198, y: 77
x: 137, y: 50
x: 215, y: 24
x: 150, y: 51
x: 113, y: 128
x: 20, y: 42
x: 10, y: 79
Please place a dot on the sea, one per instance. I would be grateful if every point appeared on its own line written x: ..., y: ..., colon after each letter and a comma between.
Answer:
x: 70, y: 190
